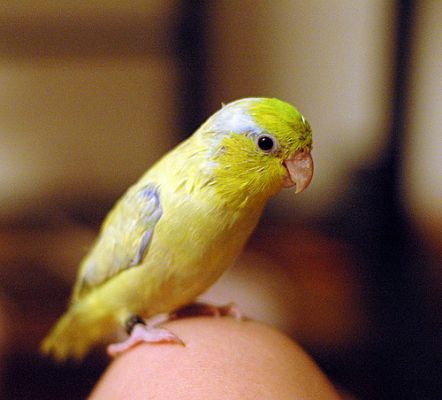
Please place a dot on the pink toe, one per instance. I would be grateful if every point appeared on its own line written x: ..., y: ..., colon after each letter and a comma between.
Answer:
x: 142, y: 333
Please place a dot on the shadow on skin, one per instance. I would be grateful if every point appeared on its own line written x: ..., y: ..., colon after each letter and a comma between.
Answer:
x: 223, y: 359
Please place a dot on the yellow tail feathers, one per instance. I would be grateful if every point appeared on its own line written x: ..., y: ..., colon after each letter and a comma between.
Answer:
x: 77, y: 331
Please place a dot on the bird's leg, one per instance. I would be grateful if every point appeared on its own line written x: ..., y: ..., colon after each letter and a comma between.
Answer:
x: 206, y: 309
x: 142, y: 331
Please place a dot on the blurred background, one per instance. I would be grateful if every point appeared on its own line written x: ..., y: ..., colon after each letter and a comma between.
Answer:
x: 93, y: 92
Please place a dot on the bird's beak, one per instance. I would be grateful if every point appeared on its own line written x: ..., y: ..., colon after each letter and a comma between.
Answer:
x: 300, y: 170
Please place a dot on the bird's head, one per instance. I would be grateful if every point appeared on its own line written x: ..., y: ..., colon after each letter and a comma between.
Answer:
x: 259, y: 145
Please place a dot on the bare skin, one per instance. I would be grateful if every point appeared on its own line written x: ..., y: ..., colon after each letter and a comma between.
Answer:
x: 222, y: 359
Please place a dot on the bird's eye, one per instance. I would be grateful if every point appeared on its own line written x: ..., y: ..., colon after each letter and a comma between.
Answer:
x: 266, y: 143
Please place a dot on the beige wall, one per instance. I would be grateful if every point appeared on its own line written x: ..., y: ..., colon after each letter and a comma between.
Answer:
x: 422, y: 173
x: 87, y: 98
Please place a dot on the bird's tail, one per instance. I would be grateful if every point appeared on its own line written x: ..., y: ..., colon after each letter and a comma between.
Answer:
x: 77, y: 331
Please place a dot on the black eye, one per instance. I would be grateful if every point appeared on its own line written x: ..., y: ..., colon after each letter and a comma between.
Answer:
x: 266, y: 143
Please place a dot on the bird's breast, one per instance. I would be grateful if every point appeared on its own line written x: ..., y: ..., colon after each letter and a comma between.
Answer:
x: 195, y: 242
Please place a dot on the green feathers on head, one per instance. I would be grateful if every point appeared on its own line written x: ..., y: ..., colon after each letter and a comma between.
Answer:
x: 284, y: 121
x: 241, y: 169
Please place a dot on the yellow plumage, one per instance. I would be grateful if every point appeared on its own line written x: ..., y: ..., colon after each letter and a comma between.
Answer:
x: 185, y: 221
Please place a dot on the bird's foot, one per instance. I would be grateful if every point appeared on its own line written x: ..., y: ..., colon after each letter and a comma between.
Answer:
x: 143, y: 333
x: 205, y: 309
x: 150, y: 331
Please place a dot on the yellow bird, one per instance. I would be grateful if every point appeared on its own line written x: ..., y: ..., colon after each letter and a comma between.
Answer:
x: 176, y: 230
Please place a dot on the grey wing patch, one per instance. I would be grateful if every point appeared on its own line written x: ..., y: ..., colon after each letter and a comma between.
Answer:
x: 144, y: 242
x: 151, y: 215
x: 125, y: 237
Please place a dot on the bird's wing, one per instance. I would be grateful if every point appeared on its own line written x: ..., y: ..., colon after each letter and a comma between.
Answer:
x: 124, y: 239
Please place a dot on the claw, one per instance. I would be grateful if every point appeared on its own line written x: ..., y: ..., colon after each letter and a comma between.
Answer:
x: 144, y: 333
x: 150, y: 331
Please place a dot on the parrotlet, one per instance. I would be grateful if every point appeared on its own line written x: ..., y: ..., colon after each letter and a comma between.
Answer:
x: 175, y: 231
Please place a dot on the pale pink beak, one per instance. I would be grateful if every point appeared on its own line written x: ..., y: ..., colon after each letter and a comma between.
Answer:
x: 300, y: 170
